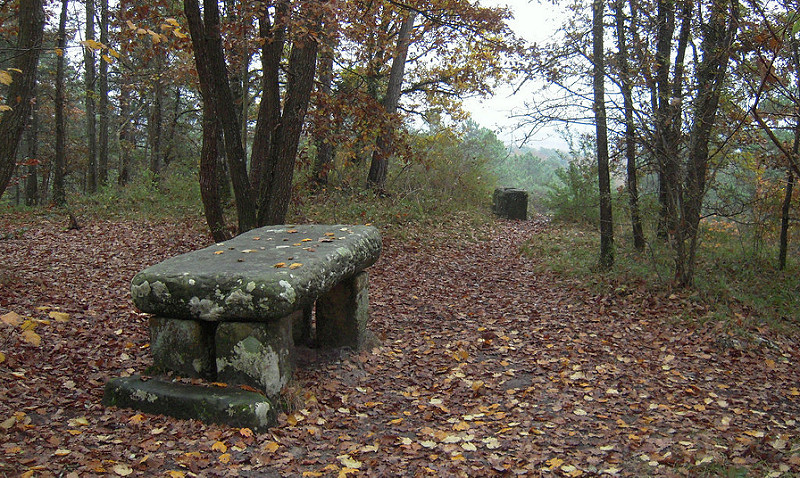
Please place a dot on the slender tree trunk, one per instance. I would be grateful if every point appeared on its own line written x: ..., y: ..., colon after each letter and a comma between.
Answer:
x: 60, y: 164
x: 89, y: 81
x: 269, y: 111
x: 785, y: 210
x: 324, y: 158
x: 383, y: 145
x: 630, y: 127
x: 210, y: 61
x: 209, y: 185
x: 606, y: 260
x: 716, y: 49
x: 32, y: 157
x: 276, y: 188
x: 20, y: 92
x: 154, y: 121
x: 125, y: 137
x: 102, y: 138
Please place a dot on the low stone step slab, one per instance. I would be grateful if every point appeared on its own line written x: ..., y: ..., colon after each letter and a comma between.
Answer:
x: 224, y: 406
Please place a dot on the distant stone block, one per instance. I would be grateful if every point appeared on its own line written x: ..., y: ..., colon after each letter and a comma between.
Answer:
x: 510, y: 203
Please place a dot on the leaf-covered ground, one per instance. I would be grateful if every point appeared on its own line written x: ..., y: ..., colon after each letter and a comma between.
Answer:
x: 486, y: 368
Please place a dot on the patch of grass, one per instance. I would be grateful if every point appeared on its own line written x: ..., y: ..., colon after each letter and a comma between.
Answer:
x: 735, y: 283
x: 409, y: 216
x: 177, y: 195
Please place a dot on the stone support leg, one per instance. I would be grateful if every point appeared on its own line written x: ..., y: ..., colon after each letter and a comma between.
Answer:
x: 185, y: 347
x: 258, y: 354
x: 343, y: 312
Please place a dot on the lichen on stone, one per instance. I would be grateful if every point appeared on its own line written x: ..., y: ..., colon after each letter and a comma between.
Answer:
x: 288, y: 293
x: 140, y: 291
x: 239, y: 298
x: 160, y: 291
x: 205, y: 309
x: 258, y: 361
x: 144, y: 396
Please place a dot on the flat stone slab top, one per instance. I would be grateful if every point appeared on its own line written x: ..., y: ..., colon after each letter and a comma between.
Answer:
x: 263, y: 274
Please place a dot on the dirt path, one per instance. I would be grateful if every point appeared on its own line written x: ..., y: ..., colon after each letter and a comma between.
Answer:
x: 486, y: 368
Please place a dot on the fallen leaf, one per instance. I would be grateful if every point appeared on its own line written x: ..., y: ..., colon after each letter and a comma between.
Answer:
x: 271, y: 447
x: 122, y: 469
x: 59, y: 316
x: 11, y: 318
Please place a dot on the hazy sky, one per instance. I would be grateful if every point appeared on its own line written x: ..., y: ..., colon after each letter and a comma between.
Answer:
x: 534, y: 22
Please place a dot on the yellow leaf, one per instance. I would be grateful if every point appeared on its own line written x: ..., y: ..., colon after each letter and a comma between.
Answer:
x: 136, y: 418
x: 348, y: 462
x: 79, y: 422
x: 2, y: 357
x: 122, y: 469
x: 11, y: 318
x: 306, y: 240
x: 395, y: 421
x: 173, y: 22
x: 219, y: 252
x: 114, y: 53
x: 176, y: 474
x: 755, y: 433
x: 59, y: 316
x: 346, y: 471
x: 92, y: 44
x: 280, y: 264
x: 272, y: 447
x: 220, y: 447
x: 246, y: 432
x: 295, y: 265
x: 225, y: 458
x: 62, y: 452
x: 31, y: 337
x: 794, y: 391
x: 106, y: 59
x: 130, y: 25
x: 554, y: 462
x: 312, y: 473
x: 5, y: 78
x: 5, y: 108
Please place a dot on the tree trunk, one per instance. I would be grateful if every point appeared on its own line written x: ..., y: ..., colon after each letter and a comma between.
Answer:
x: 209, y: 185
x: 102, y: 138
x: 606, y: 260
x: 89, y: 82
x: 60, y: 166
x: 125, y: 137
x: 210, y: 61
x: 154, y: 120
x: 269, y: 111
x: 630, y: 126
x: 785, y: 210
x: 32, y: 157
x: 276, y: 184
x: 20, y: 92
x: 716, y: 49
x: 324, y: 159
x: 383, y: 145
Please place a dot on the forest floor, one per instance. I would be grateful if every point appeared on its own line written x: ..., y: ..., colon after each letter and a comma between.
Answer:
x: 486, y: 368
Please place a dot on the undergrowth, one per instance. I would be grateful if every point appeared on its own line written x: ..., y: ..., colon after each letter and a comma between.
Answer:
x: 733, y: 282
